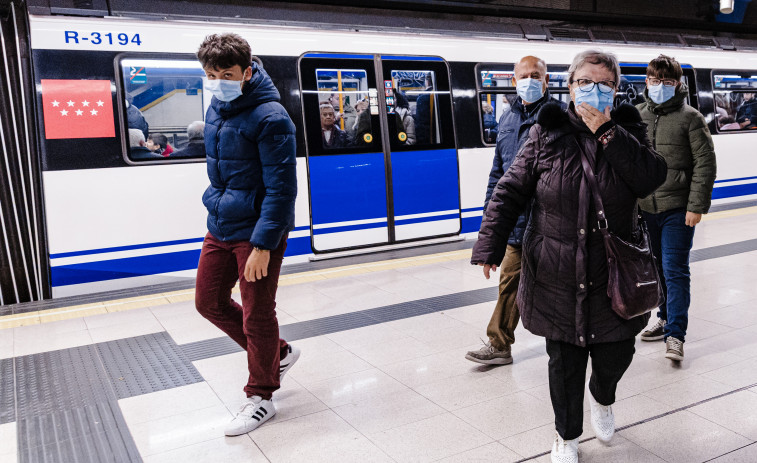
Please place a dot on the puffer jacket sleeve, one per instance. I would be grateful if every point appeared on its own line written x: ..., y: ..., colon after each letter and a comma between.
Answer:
x: 632, y: 157
x: 277, y: 147
x: 509, y: 199
x: 704, y: 165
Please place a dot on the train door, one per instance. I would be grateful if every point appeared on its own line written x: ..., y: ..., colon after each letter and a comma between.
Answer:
x: 382, y: 163
x: 421, y: 145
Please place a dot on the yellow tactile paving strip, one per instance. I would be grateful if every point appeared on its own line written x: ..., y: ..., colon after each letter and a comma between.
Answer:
x: 78, y: 311
x: 118, y: 305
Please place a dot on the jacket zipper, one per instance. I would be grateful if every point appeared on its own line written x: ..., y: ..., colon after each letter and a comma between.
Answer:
x: 654, y: 145
x: 218, y: 157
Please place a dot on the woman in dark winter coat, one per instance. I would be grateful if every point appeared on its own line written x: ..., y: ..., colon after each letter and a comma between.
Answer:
x: 563, y: 291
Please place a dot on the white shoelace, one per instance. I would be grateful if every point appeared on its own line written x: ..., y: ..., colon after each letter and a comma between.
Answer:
x: 675, y: 343
x: 247, y: 409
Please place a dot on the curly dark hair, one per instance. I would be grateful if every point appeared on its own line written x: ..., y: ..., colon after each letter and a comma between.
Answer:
x: 223, y: 51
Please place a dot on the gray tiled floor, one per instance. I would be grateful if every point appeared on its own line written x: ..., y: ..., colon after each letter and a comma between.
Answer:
x: 382, y: 377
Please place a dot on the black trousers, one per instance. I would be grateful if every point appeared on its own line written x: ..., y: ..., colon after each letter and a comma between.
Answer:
x: 567, y: 379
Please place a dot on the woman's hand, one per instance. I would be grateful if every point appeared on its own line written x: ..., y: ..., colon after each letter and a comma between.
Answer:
x: 488, y: 268
x: 592, y: 117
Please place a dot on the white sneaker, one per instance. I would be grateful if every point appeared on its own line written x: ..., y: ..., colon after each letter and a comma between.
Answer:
x: 602, y: 419
x: 564, y: 451
x: 286, y: 363
x: 254, y: 412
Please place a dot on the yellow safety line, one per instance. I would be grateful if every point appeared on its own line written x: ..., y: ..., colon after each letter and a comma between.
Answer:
x: 119, y: 305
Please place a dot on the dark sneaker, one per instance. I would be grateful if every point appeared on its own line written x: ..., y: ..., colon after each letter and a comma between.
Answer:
x: 293, y: 354
x: 490, y: 355
x: 674, y: 349
x: 656, y: 332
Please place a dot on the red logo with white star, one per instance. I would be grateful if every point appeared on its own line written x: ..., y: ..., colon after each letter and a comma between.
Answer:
x: 77, y: 109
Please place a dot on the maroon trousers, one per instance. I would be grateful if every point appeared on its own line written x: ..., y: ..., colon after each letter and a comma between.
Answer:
x: 253, y: 325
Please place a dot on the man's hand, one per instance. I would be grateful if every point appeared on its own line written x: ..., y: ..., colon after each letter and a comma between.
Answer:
x: 692, y: 218
x: 488, y: 268
x: 256, y: 267
x: 592, y: 117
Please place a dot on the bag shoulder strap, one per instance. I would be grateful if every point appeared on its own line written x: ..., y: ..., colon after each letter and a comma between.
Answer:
x: 593, y: 188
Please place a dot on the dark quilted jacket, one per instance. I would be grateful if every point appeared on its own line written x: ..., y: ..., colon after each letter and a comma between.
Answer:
x: 563, y: 290
x: 680, y: 134
x: 250, y: 145
x: 512, y: 133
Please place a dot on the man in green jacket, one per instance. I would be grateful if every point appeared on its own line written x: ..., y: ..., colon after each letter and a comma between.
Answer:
x: 679, y: 133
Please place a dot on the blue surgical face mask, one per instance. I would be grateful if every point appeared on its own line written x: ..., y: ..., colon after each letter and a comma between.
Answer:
x: 660, y: 93
x: 224, y: 90
x: 530, y: 90
x: 595, y: 98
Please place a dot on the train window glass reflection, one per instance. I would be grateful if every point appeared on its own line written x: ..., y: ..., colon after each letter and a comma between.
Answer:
x: 735, y: 97
x: 162, y: 98
x: 493, y: 106
x: 344, y: 107
x: 493, y: 78
x: 412, y: 108
x: 499, y: 79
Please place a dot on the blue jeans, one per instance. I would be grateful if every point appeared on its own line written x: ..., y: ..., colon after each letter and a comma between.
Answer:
x: 671, y: 244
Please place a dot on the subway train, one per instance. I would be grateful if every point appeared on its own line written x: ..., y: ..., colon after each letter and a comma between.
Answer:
x: 406, y: 162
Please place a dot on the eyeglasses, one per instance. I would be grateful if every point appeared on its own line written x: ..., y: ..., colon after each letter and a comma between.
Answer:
x: 587, y: 85
x: 666, y: 82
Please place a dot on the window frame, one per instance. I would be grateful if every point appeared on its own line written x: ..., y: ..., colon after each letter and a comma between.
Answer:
x: 123, y: 119
x: 481, y: 90
x: 306, y: 67
x: 444, y: 115
x: 715, y: 104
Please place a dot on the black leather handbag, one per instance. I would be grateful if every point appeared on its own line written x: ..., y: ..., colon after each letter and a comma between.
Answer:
x: 633, y: 283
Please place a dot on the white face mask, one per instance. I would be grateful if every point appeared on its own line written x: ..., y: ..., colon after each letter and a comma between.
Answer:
x: 224, y: 90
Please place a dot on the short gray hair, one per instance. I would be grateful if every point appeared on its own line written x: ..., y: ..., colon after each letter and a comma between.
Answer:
x: 136, y: 138
x: 196, y: 130
x: 606, y: 59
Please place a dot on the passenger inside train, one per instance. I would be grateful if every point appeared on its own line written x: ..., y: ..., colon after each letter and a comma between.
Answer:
x: 195, y: 147
x: 158, y: 144
x: 137, y: 149
x: 333, y: 136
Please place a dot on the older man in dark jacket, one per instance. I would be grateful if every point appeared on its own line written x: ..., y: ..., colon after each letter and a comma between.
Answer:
x: 530, y: 78
x: 250, y: 146
x: 196, y: 146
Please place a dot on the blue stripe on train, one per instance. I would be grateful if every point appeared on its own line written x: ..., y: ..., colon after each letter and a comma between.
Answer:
x: 88, y: 252
x: 734, y: 190
x: 128, y: 267
x: 427, y: 219
x: 158, y: 244
x: 471, y: 224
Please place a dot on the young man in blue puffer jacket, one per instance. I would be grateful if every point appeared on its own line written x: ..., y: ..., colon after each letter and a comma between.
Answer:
x: 250, y: 148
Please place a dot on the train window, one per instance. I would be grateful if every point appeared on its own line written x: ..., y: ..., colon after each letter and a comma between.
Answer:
x: 163, y: 100
x: 413, y: 108
x: 497, y: 94
x: 344, y: 107
x: 735, y: 94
